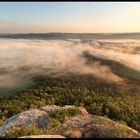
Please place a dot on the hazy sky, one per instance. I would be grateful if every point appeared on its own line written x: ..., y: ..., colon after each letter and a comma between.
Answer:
x: 103, y: 17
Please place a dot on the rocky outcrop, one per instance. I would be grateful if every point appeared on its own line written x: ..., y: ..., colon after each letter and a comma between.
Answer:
x: 76, y: 126
x: 25, y: 118
x: 43, y: 136
x: 50, y: 108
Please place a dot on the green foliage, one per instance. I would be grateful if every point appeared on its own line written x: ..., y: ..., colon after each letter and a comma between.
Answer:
x: 119, y: 103
x: 62, y: 114
x: 1, y: 122
x: 24, y: 131
x: 52, y: 123
x: 111, y: 129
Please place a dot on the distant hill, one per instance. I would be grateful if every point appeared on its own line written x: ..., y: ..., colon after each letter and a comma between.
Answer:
x: 73, y: 36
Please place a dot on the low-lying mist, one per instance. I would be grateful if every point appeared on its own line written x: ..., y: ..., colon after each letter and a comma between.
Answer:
x: 22, y: 59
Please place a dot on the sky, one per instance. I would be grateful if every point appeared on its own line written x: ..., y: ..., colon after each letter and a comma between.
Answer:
x: 76, y: 17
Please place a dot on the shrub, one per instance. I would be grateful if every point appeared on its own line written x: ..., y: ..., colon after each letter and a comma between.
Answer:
x: 53, y: 122
x: 62, y: 114
x: 24, y: 131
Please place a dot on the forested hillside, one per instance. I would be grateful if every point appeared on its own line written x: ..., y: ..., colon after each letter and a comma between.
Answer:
x: 117, y: 102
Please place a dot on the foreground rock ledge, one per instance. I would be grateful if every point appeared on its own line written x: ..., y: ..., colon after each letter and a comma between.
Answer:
x: 43, y: 136
x: 82, y: 125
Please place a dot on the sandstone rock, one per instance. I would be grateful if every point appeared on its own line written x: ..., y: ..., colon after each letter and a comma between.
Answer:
x: 43, y: 136
x: 73, y: 134
x: 30, y: 117
x: 82, y: 125
x: 49, y: 108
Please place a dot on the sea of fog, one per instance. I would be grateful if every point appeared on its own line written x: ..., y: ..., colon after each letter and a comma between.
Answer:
x: 22, y: 59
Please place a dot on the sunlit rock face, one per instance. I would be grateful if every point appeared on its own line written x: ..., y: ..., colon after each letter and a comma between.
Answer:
x: 80, y: 125
x: 43, y: 136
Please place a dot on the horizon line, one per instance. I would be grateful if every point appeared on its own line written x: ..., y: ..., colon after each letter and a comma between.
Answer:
x: 74, y: 33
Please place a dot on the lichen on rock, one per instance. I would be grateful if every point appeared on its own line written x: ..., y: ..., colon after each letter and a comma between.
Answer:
x: 65, y: 121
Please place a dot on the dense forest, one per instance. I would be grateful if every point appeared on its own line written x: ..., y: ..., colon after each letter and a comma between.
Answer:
x: 115, y: 101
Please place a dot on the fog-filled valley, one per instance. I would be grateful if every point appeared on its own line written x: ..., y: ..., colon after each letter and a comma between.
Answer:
x: 100, y: 73
x: 70, y: 70
x: 22, y: 59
